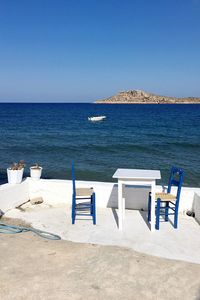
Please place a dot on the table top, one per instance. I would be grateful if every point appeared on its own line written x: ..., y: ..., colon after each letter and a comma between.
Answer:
x: 137, y: 174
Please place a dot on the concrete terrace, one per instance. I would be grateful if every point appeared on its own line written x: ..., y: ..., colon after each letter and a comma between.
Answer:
x: 180, y: 244
x: 103, y: 262
x: 35, y: 268
x: 54, y: 215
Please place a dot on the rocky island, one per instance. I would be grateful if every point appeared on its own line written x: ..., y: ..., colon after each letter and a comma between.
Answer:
x: 142, y: 97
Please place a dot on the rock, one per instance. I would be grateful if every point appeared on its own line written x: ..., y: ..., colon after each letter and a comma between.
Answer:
x: 139, y: 96
x: 37, y: 200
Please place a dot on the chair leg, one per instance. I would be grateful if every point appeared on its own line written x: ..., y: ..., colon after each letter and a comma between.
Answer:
x: 149, y: 208
x: 166, y: 211
x: 94, y: 208
x: 91, y: 205
x: 73, y: 218
x: 176, y: 217
x: 158, y: 215
x: 73, y: 210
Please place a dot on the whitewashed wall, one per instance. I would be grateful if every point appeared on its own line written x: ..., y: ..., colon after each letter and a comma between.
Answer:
x: 196, y: 206
x: 12, y: 196
x: 56, y: 192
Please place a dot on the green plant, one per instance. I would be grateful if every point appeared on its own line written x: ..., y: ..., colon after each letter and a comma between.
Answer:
x: 36, y: 167
x: 18, y: 166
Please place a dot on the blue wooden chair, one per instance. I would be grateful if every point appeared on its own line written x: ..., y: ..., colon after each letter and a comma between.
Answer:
x: 83, y: 200
x: 166, y: 203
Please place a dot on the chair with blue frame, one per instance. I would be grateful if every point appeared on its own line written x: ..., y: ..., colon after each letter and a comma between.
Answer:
x: 166, y: 203
x: 83, y: 200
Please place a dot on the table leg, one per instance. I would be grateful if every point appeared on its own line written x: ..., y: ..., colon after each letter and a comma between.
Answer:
x: 153, y: 187
x: 123, y: 205
x: 120, y: 206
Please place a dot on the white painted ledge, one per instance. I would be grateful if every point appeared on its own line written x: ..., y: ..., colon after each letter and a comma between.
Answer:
x: 13, y: 195
x: 196, y: 207
x: 56, y: 192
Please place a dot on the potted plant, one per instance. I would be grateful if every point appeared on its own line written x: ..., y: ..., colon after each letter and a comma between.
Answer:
x: 15, y: 172
x: 35, y: 172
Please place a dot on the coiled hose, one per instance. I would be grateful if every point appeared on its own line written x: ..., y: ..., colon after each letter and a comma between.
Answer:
x: 11, y: 229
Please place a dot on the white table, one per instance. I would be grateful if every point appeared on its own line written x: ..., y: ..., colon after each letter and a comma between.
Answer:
x: 136, y: 177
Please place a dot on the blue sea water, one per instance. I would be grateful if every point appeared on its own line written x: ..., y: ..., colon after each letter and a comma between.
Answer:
x: 133, y: 136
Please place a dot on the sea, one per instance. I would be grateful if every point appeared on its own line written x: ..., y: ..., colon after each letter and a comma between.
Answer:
x: 133, y: 136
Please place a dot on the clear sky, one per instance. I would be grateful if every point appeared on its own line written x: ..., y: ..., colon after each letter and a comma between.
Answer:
x: 84, y: 50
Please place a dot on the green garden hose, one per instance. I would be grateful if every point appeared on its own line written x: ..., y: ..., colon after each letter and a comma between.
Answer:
x: 11, y: 229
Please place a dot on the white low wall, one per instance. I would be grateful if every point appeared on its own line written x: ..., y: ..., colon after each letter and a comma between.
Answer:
x: 196, y: 206
x: 56, y: 192
x: 14, y: 195
x: 60, y: 191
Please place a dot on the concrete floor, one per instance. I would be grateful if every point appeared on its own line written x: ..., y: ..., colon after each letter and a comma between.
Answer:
x: 35, y: 268
x: 180, y: 244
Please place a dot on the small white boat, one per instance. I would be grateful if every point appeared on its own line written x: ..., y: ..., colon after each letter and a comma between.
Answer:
x: 97, y: 118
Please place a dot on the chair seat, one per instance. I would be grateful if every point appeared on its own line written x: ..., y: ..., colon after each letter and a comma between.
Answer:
x: 165, y: 197
x: 84, y: 192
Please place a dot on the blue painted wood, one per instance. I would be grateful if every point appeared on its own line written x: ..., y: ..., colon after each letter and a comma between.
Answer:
x: 149, y: 208
x: 94, y: 208
x: 73, y: 208
x: 175, y: 179
x: 73, y: 180
x: 77, y: 207
x: 166, y: 211
x: 176, y: 217
x: 158, y: 214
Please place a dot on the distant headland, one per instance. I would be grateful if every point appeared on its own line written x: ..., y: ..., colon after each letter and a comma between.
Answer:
x: 142, y: 97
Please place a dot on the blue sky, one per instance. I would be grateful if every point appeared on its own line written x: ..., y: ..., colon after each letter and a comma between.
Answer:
x: 84, y: 50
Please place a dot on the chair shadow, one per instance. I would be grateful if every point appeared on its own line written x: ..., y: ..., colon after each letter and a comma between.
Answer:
x: 144, y: 215
x: 169, y: 220
x: 162, y: 220
x: 84, y: 211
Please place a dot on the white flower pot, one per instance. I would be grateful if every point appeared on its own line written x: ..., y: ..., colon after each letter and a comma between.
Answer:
x: 35, y: 173
x: 15, y: 176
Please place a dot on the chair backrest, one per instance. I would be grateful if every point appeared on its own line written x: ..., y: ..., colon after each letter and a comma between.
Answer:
x: 73, y: 179
x: 176, y: 179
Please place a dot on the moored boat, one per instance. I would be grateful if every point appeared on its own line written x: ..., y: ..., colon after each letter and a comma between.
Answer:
x: 97, y: 118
